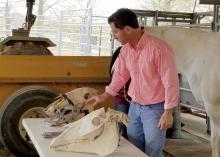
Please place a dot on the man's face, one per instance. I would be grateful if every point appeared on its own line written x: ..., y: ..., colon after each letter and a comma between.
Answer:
x: 119, y: 34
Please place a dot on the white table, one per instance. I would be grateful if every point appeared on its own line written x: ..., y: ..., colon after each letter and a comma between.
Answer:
x: 35, y: 127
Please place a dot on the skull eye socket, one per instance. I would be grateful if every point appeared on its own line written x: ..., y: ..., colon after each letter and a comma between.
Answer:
x: 86, y: 96
x: 67, y: 112
x: 85, y: 112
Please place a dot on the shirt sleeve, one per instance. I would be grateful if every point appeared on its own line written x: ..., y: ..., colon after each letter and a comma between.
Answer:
x: 167, y: 68
x: 120, y: 77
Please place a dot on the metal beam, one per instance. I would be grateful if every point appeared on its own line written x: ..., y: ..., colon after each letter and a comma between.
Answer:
x: 215, y: 2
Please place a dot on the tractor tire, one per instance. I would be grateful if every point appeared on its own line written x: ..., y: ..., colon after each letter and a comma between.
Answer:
x: 27, y: 102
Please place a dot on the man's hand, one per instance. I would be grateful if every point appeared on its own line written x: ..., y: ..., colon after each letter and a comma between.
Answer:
x: 95, y: 100
x: 166, y: 120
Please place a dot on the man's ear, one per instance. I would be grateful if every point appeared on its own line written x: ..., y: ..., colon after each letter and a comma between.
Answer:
x: 128, y: 29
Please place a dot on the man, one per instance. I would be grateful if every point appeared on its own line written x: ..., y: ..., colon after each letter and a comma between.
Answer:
x: 154, y: 86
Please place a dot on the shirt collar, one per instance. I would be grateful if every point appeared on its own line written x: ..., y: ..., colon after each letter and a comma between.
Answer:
x: 141, y: 42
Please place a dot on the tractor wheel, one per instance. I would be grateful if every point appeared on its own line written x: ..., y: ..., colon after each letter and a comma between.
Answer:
x: 28, y: 102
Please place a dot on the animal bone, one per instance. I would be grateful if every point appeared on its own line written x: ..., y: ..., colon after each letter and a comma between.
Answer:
x: 96, y: 133
x: 70, y: 106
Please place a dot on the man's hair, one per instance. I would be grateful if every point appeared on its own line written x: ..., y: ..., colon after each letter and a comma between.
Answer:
x: 124, y: 17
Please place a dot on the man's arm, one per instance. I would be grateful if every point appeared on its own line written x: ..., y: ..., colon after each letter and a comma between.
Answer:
x: 120, y: 77
x: 167, y: 68
x: 169, y: 76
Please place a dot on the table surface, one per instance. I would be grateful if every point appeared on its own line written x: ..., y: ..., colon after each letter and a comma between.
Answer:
x: 35, y: 128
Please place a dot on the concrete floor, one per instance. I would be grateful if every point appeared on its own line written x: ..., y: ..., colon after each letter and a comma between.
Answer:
x: 194, y: 141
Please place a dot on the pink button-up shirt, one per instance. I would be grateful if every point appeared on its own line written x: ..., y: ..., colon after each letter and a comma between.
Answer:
x: 153, y: 72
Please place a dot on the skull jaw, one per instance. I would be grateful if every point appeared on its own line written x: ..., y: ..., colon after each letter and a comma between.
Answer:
x: 81, y: 129
x: 102, y: 145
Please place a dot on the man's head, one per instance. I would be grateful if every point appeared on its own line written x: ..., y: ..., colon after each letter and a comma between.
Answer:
x: 123, y: 17
x: 122, y: 22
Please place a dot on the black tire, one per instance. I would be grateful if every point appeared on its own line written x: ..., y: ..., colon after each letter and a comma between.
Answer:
x: 19, y: 103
